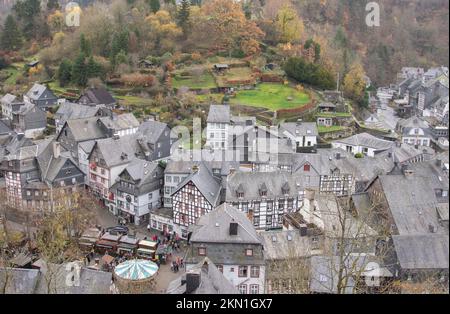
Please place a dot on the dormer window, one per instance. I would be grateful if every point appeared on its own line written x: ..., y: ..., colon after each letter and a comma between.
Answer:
x: 306, y: 167
x: 240, y: 194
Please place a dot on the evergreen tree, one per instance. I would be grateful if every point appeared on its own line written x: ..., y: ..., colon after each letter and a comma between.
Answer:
x: 10, y: 38
x: 183, y: 17
x: 93, y: 69
x: 53, y: 5
x: 28, y: 12
x: 65, y: 72
x: 85, y: 46
x: 154, y: 5
x: 79, y: 73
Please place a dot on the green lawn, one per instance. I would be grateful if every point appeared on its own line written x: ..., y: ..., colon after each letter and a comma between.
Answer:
x: 134, y: 101
x: 334, y: 128
x: 12, y: 73
x: 334, y: 114
x: 204, y: 81
x: 271, y: 96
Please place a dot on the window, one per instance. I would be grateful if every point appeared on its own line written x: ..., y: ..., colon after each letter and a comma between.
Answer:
x: 269, y: 206
x: 254, y: 289
x: 249, y: 252
x: 202, y: 251
x: 220, y: 268
x: 306, y: 168
x: 256, y: 207
x: 269, y: 221
x: 28, y: 193
x: 168, y: 179
x: 243, y: 271
x: 74, y: 180
x: 150, y: 196
x: 254, y: 272
x: 242, y: 289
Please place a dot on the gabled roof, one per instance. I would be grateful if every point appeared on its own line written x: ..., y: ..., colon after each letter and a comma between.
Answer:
x: 251, y: 183
x: 4, y: 128
x: 279, y: 245
x: 300, y: 129
x: 366, y: 140
x: 8, y: 99
x: 212, y: 281
x: 152, y: 130
x: 37, y: 91
x: 120, y: 122
x: 412, y: 203
x: 99, y: 96
x: 205, y: 183
x: 117, y: 151
x: 68, y: 111
x: 219, y: 114
x: 214, y: 227
x: 413, y: 122
x: 18, y: 280
x: 84, y: 129
x: 421, y: 252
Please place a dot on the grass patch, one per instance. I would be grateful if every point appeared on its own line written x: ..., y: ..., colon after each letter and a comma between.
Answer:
x: 233, y: 75
x: 11, y: 72
x: 204, y: 81
x: 328, y: 129
x: 208, y: 98
x: 334, y: 114
x: 134, y: 101
x: 271, y: 96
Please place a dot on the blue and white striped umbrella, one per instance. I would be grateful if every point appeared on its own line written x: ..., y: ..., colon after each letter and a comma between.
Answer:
x: 136, y: 269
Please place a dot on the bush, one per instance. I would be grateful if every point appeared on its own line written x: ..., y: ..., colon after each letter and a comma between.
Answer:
x: 359, y: 155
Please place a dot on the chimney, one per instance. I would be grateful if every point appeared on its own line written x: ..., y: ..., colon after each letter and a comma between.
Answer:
x: 232, y: 170
x: 439, y: 162
x: 56, y: 150
x: 233, y: 228
x: 192, y: 281
x: 338, y: 156
x: 20, y: 136
x: 303, y: 230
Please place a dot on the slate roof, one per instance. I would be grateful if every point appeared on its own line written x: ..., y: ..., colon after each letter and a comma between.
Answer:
x: 8, y: 99
x: 18, y: 280
x: 251, y: 183
x: 412, y: 203
x: 212, y: 281
x: 142, y: 172
x: 68, y: 111
x: 219, y: 114
x: 413, y: 122
x: 36, y: 91
x: 279, y: 245
x: 300, y: 129
x: 366, y: 140
x: 99, y: 96
x: 4, y: 128
x: 324, y: 272
x: 85, y: 129
x: 424, y: 251
x: 117, y: 151
x: 205, y: 182
x: 152, y: 130
x: 26, y: 108
x: 51, y: 166
x: 120, y: 122
x: 214, y: 227
x: 20, y: 148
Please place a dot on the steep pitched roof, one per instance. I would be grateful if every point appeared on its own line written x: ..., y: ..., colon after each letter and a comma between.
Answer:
x: 219, y: 114
x: 37, y: 91
x: 85, y: 129
x: 251, y: 183
x: 117, y: 151
x: 214, y: 227
x: 412, y: 203
x: 205, y: 183
x: 68, y: 111
x: 300, y: 129
x: 212, y: 281
x: 120, y: 122
x: 99, y: 96
x: 425, y: 251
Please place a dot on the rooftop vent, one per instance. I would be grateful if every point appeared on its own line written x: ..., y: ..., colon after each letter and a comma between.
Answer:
x: 274, y: 238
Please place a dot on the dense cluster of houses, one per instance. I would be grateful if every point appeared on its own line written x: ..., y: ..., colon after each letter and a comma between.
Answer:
x: 253, y: 199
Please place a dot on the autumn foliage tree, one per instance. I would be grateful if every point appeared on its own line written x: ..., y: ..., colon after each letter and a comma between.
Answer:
x: 289, y: 25
x: 354, y: 83
x: 224, y: 27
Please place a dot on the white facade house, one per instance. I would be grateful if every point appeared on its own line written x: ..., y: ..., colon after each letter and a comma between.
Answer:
x: 415, y: 131
x: 363, y: 143
x: 302, y: 134
x: 217, y: 127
